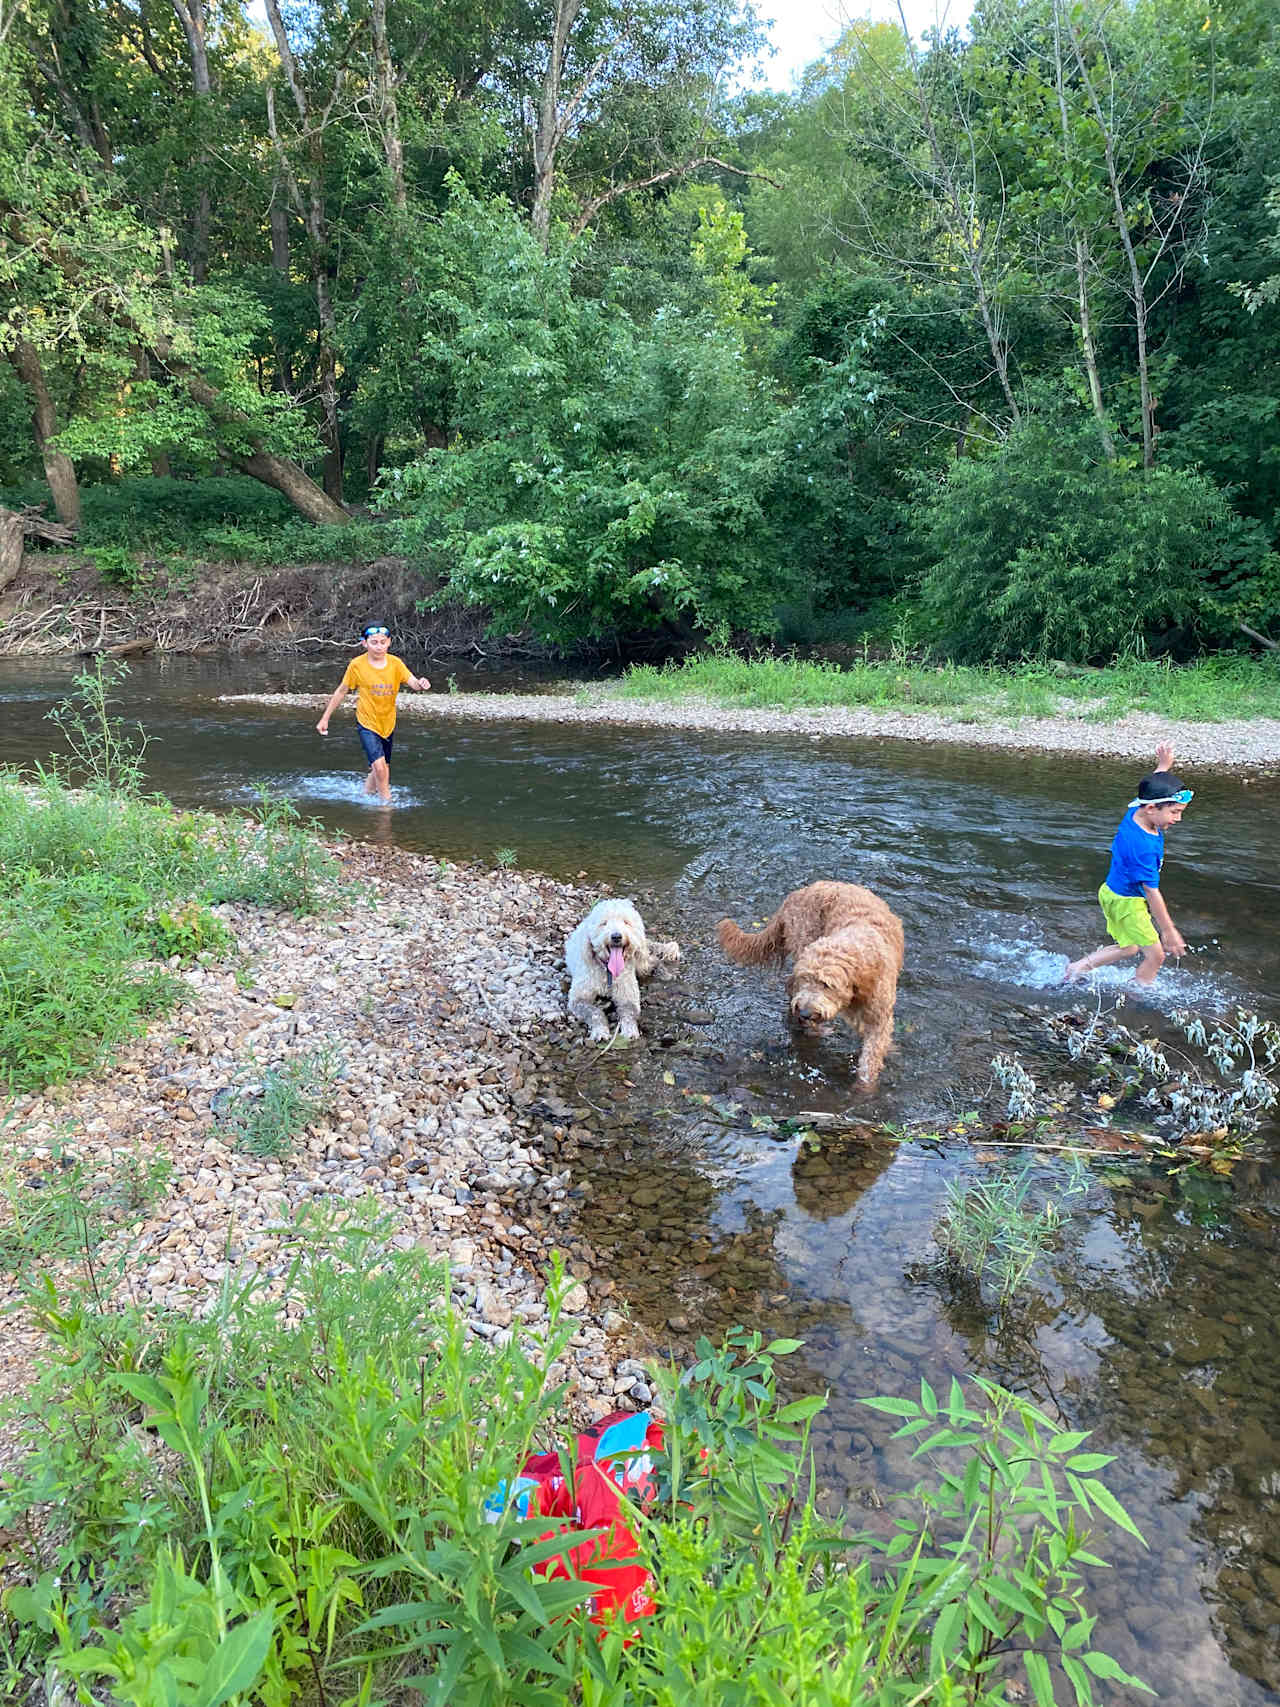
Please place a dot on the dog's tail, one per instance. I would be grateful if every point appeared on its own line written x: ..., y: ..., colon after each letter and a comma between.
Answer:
x: 752, y: 948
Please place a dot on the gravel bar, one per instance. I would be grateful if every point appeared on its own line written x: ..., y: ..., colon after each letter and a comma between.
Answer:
x: 439, y: 992
x: 1241, y: 744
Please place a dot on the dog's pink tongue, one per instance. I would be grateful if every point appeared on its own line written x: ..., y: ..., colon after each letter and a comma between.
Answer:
x: 616, y: 963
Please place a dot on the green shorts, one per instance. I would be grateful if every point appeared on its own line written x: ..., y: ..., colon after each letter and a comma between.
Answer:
x: 1128, y: 919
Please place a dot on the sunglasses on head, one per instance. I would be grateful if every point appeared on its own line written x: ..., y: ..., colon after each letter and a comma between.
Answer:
x: 372, y: 633
x: 1183, y: 797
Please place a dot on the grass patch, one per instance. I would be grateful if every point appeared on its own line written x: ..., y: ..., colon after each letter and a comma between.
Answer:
x: 1210, y: 691
x: 95, y: 887
x: 55, y: 1207
x: 268, y: 1119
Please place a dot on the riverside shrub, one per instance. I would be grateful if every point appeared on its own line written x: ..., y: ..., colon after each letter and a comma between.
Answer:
x: 1042, y: 550
x: 602, y: 475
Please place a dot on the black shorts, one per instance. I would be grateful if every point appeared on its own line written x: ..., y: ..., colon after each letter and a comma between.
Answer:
x: 375, y: 746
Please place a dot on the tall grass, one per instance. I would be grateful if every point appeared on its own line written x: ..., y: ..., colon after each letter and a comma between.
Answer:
x: 1210, y: 691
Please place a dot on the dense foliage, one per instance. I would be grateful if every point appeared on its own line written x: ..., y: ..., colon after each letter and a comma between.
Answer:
x: 983, y: 325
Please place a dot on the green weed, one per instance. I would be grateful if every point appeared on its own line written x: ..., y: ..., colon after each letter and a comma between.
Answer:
x: 269, y: 1119
x: 106, y: 753
x: 321, y: 1522
x: 189, y: 933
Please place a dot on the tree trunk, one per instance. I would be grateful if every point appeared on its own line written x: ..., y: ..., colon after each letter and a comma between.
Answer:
x: 262, y: 464
x: 965, y: 224
x: 550, y: 129
x: 388, y: 111
x: 11, y: 535
x: 59, y: 470
x: 191, y: 16
x: 312, y: 211
x: 1087, y: 345
x: 1137, y: 290
x: 1090, y: 351
x: 159, y: 459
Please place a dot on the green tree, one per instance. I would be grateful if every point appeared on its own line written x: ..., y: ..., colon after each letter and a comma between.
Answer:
x: 601, y: 476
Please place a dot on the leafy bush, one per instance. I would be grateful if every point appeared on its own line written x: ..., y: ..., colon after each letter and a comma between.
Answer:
x: 189, y: 932
x: 154, y: 513
x: 602, y: 475
x: 1041, y: 550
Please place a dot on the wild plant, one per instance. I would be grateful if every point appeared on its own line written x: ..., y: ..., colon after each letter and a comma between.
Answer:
x: 505, y: 858
x: 1188, y: 1103
x: 282, y: 863
x: 268, y: 1119
x: 107, y: 754
x: 189, y: 933
x: 984, y: 1569
x: 281, y: 1514
x: 1013, y: 1078
x: 991, y: 1235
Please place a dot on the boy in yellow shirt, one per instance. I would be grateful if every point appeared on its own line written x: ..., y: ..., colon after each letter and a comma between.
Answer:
x: 377, y: 679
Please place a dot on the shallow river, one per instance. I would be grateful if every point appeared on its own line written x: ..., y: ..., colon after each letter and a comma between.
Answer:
x: 1155, y: 1322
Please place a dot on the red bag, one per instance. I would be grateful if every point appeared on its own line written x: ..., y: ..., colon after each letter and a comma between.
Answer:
x: 614, y: 1459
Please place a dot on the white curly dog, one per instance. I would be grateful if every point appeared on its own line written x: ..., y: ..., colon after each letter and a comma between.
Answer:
x: 607, y: 955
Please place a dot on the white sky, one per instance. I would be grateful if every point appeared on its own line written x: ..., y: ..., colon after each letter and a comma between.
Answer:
x: 802, y: 30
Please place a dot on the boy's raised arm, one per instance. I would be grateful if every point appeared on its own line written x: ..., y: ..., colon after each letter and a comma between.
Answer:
x: 1164, y: 756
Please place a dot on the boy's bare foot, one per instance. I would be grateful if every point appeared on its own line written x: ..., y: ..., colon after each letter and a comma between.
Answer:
x: 370, y: 783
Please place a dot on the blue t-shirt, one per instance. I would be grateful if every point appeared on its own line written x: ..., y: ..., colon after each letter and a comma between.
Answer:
x: 1136, y: 858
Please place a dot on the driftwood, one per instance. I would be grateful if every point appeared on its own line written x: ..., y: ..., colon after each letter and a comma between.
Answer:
x: 138, y: 647
x: 37, y: 526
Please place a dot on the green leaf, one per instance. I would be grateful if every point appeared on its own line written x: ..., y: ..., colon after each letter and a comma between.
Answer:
x: 1037, y: 1668
x: 800, y: 1410
x: 983, y: 1613
x: 1106, y: 1501
x: 1102, y: 1665
x: 782, y: 1348
x: 1066, y: 1442
x: 928, y: 1398
x: 1008, y: 1594
x: 1078, y: 1678
x: 1090, y: 1461
x: 943, y: 1642
x: 237, y: 1662
x: 892, y: 1407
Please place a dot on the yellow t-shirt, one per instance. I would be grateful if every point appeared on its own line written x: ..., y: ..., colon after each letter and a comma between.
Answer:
x: 376, y: 690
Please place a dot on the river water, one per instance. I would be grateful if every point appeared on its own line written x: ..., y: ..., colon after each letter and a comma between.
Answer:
x: 1154, y: 1320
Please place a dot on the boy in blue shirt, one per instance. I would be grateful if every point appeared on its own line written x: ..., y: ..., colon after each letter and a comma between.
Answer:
x: 1137, y: 919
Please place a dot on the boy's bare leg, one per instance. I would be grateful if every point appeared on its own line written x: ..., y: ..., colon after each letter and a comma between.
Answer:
x: 1107, y: 955
x: 1151, y: 962
x: 370, y: 782
x: 381, y: 773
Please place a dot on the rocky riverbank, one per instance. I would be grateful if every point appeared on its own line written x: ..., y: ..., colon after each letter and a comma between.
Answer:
x: 1243, y: 744
x: 435, y: 995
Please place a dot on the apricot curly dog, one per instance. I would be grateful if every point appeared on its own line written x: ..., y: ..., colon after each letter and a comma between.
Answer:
x: 847, y: 950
